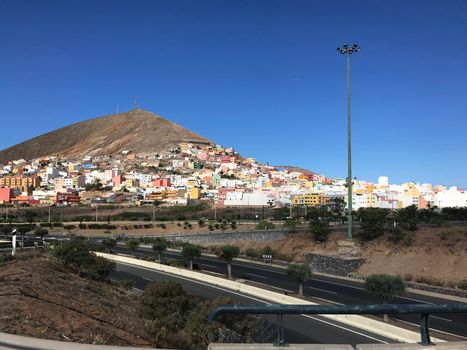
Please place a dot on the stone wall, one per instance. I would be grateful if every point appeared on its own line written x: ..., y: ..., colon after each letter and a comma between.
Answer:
x: 263, y: 235
x: 334, y: 265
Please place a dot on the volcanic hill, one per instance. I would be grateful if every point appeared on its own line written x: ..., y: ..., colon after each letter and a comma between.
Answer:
x: 137, y: 130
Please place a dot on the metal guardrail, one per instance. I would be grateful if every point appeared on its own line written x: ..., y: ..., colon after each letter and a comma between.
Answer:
x: 423, y: 310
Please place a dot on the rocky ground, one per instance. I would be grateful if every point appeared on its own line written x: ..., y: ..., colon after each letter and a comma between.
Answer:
x: 41, y: 299
x: 437, y: 255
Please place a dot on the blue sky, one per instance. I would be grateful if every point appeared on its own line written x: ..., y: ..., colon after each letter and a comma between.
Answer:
x: 262, y: 76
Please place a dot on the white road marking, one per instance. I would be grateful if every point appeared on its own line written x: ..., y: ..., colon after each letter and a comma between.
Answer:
x: 433, y: 329
x: 259, y: 276
x: 147, y: 279
x: 323, y: 290
x: 338, y: 284
x: 213, y: 266
x: 417, y: 300
x: 252, y: 298
x: 441, y: 318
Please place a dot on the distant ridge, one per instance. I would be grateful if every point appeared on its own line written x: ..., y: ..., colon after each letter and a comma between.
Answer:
x: 136, y: 130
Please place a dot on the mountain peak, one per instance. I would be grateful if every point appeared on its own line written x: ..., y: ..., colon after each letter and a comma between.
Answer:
x: 137, y: 130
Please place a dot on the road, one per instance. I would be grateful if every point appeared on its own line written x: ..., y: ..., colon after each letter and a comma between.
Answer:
x: 297, y: 329
x: 322, y: 288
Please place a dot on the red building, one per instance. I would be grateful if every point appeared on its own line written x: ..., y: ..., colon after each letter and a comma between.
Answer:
x: 67, y: 198
x: 5, y: 195
x: 161, y: 182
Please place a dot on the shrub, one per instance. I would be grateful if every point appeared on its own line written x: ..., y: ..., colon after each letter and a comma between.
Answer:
x: 252, y: 253
x: 98, y: 268
x: 372, y: 222
x: 41, y: 232
x: 265, y: 225
x: 462, y: 284
x: 385, y: 286
x: 126, y: 284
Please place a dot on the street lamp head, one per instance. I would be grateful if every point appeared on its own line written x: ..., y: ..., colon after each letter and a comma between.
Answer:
x: 348, y: 50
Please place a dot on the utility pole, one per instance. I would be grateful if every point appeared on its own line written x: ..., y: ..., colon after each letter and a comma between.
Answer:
x: 153, y: 212
x: 49, y: 212
x: 348, y: 50
x: 97, y: 211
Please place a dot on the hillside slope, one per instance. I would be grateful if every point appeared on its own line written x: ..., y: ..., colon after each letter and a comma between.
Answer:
x: 137, y: 130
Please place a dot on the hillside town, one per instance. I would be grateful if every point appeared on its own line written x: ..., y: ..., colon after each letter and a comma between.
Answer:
x: 199, y: 171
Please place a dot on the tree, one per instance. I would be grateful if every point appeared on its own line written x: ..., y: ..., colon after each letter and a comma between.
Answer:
x: 165, y: 305
x: 385, y: 287
x: 132, y: 244
x: 226, y: 329
x: 190, y: 252
x: 228, y: 253
x: 372, y: 222
x: 300, y: 273
x: 74, y: 254
x: 319, y: 223
x: 109, y: 243
x: 160, y: 245
x: 407, y: 218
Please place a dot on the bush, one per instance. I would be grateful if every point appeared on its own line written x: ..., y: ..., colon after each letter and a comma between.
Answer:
x: 265, y: 225
x: 462, y: 284
x: 41, y: 232
x: 252, y: 253
x: 165, y: 305
x: 77, y: 255
x: 98, y: 268
x: 126, y: 284
x: 407, y: 218
x: 372, y: 222
x: 385, y: 286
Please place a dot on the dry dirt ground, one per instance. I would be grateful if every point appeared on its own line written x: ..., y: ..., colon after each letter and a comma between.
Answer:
x: 439, y: 254
x: 40, y: 299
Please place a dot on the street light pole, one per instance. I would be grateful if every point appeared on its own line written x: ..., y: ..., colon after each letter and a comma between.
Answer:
x: 348, y: 50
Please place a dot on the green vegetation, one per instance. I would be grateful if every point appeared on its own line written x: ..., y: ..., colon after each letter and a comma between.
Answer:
x: 319, y: 223
x: 300, y: 273
x: 108, y: 244
x: 132, y: 244
x: 385, y: 287
x: 160, y: 245
x: 76, y: 254
x: 177, y: 319
x: 407, y: 218
x: 372, y: 222
x: 189, y: 252
x: 228, y: 253
x: 265, y: 225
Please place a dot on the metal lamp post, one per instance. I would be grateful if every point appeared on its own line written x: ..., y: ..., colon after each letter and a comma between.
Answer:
x: 348, y: 50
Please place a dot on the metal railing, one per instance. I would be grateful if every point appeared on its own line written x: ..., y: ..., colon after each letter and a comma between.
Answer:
x: 422, y: 309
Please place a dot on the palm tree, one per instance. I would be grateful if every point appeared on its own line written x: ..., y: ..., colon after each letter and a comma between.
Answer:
x: 228, y: 253
x: 385, y: 287
x: 190, y: 252
x: 109, y: 243
x: 132, y: 244
x: 300, y: 273
x: 160, y: 245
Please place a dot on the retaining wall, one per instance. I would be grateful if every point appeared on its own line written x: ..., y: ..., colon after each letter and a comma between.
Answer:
x: 333, y: 265
x: 266, y: 235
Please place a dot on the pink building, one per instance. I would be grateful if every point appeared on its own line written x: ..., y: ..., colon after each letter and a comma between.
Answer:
x: 161, y: 182
x: 5, y: 195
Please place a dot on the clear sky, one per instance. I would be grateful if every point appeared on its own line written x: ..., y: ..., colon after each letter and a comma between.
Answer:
x: 263, y: 76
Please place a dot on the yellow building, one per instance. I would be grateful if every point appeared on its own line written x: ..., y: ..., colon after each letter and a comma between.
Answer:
x: 24, y: 183
x: 195, y: 193
x: 311, y: 199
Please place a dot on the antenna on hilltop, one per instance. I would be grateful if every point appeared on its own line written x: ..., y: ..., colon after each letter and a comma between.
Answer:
x: 135, y: 103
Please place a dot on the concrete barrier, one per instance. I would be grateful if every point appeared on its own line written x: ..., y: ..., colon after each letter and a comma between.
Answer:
x: 461, y: 345
x: 12, y: 341
x: 361, y: 322
x: 215, y: 346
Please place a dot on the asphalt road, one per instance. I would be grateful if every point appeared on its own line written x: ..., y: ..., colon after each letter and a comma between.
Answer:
x: 322, y: 288
x: 297, y: 329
